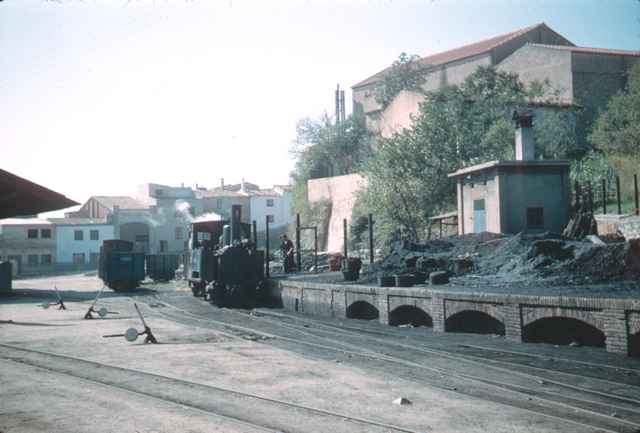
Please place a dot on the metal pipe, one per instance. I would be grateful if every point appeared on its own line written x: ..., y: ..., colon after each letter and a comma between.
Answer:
x: 635, y: 190
x: 604, y: 196
x: 266, y: 244
x: 618, y: 195
x: 371, y: 250
x: 298, y: 257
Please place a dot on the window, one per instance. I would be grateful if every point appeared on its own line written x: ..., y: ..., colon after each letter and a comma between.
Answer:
x: 179, y: 233
x: 78, y: 258
x: 45, y: 233
x: 270, y: 218
x: 535, y: 218
x: 269, y: 202
x: 78, y: 235
x: 142, y: 238
x: 45, y: 259
x: 219, y: 203
x: 164, y: 246
x: 159, y: 192
x: 204, y: 236
x: 32, y: 260
x: 94, y: 235
x: 32, y: 234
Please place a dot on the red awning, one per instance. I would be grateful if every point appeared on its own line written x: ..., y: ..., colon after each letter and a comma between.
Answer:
x: 19, y: 197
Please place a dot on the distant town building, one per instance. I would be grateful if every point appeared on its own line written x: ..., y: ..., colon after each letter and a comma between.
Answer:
x: 525, y: 195
x: 78, y: 241
x: 29, y: 244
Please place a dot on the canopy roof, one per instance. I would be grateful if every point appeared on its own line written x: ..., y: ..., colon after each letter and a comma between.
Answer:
x: 20, y: 197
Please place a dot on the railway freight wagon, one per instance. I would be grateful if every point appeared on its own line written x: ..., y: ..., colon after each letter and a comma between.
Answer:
x: 120, y: 268
x: 162, y: 267
x: 224, y: 263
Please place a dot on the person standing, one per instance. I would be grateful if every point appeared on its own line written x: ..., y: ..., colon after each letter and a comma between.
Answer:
x: 287, y: 254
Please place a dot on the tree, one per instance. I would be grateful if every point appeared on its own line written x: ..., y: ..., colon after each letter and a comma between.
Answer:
x: 617, y: 129
x: 324, y: 149
x: 455, y: 127
x: 406, y: 73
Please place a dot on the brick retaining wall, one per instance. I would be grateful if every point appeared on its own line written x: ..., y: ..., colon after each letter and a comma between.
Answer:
x: 617, y: 318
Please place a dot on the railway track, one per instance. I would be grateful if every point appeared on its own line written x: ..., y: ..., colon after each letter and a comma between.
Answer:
x: 245, y: 409
x: 557, y: 398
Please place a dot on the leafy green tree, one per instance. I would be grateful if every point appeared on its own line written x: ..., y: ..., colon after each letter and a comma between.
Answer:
x: 617, y: 129
x: 323, y: 149
x: 406, y: 73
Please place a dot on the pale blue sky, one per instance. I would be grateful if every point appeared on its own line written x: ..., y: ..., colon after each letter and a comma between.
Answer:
x: 97, y: 96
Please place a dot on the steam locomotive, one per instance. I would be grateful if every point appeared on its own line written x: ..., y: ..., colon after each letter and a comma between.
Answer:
x: 224, y: 264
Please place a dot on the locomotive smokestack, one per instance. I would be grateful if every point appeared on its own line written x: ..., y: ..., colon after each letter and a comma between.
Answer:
x: 236, y: 216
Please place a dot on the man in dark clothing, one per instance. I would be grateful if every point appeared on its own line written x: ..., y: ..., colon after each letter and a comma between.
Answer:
x: 287, y: 254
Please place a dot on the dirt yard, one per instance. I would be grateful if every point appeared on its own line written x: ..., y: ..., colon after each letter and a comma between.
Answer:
x: 216, y: 370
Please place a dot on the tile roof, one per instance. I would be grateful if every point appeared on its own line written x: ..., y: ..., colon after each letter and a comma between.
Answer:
x: 77, y: 221
x: 218, y: 193
x: 23, y: 222
x: 589, y: 50
x: 460, y: 53
x: 123, y: 202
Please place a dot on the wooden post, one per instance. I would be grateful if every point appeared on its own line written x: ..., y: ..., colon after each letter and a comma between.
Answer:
x: 635, y: 191
x: 315, y: 248
x: 618, y: 194
x: 298, y: 254
x: 254, y: 227
x: 266, y: 244
x: 604, y: 196
x: 344, y: 228
x: 590, y: 196
x: 371, y: 249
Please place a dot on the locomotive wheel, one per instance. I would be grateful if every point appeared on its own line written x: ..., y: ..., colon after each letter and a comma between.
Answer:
x: 217, y: 295
x: 237, y: 296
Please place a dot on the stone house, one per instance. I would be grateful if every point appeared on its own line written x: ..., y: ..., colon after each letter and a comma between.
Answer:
x: 582, y: 76
x: 514, y: 196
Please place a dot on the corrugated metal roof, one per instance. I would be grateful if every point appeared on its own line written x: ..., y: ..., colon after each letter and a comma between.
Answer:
x: 456, y: 54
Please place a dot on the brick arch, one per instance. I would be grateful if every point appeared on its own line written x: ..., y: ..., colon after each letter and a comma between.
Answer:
x: 490, y: 309
x: 361, y: 309
x: 410, y: 313
x: 590, y: 317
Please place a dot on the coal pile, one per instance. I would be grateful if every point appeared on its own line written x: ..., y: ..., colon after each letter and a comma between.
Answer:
x: 548, y: 259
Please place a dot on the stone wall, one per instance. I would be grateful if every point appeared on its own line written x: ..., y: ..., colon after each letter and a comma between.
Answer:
x: 341, y: 192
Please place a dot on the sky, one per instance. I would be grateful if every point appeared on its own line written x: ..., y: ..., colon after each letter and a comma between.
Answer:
x: 99, y: 96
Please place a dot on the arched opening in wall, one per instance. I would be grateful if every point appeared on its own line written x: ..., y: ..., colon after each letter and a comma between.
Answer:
x: 634, y: 345
x: 410, y: 315
x: 563, y: 331
x: 362, y: 310
x: 474, y: 322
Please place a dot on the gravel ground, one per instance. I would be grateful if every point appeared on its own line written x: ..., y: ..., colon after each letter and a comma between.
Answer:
x: 36, y: 400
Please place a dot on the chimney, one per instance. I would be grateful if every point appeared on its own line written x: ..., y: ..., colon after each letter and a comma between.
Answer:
x: 525, y: 144
x: 242, y: 185
x: 222, y: 183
